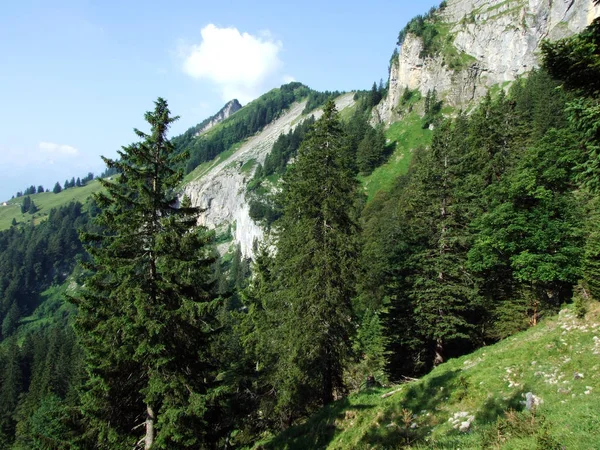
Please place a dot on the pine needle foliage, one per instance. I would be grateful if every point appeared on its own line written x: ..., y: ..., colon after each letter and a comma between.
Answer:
x: 145, y: 315
x: 308, y: 300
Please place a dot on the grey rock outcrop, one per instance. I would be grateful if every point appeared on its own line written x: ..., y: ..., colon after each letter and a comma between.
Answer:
x: 226, y: 111
x: 499, y: 39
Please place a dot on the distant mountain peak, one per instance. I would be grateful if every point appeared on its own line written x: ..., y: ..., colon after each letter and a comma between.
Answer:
x: 230, y: 107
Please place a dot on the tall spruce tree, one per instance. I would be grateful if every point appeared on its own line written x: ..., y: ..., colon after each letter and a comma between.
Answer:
x: 313, y: 278
x: 145, y: 316
x: 442, y: 292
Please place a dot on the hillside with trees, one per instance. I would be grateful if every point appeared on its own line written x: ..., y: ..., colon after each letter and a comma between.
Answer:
x: 123, y: 326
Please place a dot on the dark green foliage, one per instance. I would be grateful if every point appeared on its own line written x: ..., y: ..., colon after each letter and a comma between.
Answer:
x: 483, y: 235
x: 145, y: 316
x: 492, y: 227
x: 47, y: 411
x: 535, y: 228
x: 317, y: 99
x: 576, y: 60
x: 393, y: 59
x: 423, y: 26
x: 32, y: 258
x: 264, y: 211
x: 371, y: 150
x: 26, y: 204
x: 11, y: 378
x: 443, y: 292
x: 304, y: 316
x: 57, y: 188
x: 285, y: 148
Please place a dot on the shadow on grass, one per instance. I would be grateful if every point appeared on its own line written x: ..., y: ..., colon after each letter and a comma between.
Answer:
x: 497, y: 407
x: 319, y: 430
x: 394, y: 428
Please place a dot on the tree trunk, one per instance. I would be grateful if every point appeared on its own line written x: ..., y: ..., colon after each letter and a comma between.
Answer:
x: 149, y: 439
x: 327, y: 394
x: 439, y: 351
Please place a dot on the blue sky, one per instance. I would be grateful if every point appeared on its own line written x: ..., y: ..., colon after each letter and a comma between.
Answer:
x: 76, y: 76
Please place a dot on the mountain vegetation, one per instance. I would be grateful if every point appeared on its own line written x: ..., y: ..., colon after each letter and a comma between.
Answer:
x: 122, y: 328
x: 246, y: 122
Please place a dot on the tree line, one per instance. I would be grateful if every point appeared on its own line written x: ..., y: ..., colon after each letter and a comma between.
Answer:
x: 57, y: 187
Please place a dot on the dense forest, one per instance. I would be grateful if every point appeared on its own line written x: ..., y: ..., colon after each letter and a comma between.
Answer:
x: 147, y: 340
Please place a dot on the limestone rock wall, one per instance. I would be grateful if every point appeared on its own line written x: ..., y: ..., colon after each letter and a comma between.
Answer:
x: 503, y: 37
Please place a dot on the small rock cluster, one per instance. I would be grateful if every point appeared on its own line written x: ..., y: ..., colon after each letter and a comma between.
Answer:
x: 509, y: 378
x: 461, y: 421
x: 531, y: 401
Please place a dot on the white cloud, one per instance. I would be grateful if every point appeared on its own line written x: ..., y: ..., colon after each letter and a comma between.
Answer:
x: 58, y: 149
x: 240, y: 64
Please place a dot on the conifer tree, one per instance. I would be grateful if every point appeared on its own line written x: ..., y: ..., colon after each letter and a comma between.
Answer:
x: 145, y: 316
x: 313, y: 278
x: 440, y: 295
x: 11, y: 386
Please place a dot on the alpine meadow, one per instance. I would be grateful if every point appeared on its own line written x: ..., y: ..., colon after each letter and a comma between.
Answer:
x: 413, y: 265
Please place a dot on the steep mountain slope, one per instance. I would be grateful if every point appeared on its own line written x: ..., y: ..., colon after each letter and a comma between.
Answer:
x: 45, y: 201
x: 535, y: 390
x: 480, y: 43
x: 219, y: 189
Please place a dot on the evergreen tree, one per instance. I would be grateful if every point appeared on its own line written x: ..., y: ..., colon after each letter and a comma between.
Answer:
x: 57, y: 188
x: 26, y: 204
x: 32, y: 207
x: 576, y: 62
x: 443, y: 291
x: 12, y: 381
x: 145, y: 316
x: 533, y: 230
x: 371, y: 150
x: 308, y: 304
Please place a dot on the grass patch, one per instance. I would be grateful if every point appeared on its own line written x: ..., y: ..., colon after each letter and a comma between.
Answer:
x: 495, y: 89
x: 558, y: 361
x: 203, y: 168
x: 406, y: 135
x: 45, y: 201
x: 452, y: 57
x: 248, y: 166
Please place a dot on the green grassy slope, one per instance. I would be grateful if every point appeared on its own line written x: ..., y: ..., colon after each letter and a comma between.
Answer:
x: 406, y: 135
x: 558, y: 361
x: 45, y: 202
x: 54, y: 309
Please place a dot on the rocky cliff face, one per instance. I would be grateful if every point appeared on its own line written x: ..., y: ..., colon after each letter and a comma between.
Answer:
x: 221, y: 190
x: 499, y: 39
x: 226, y: 111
